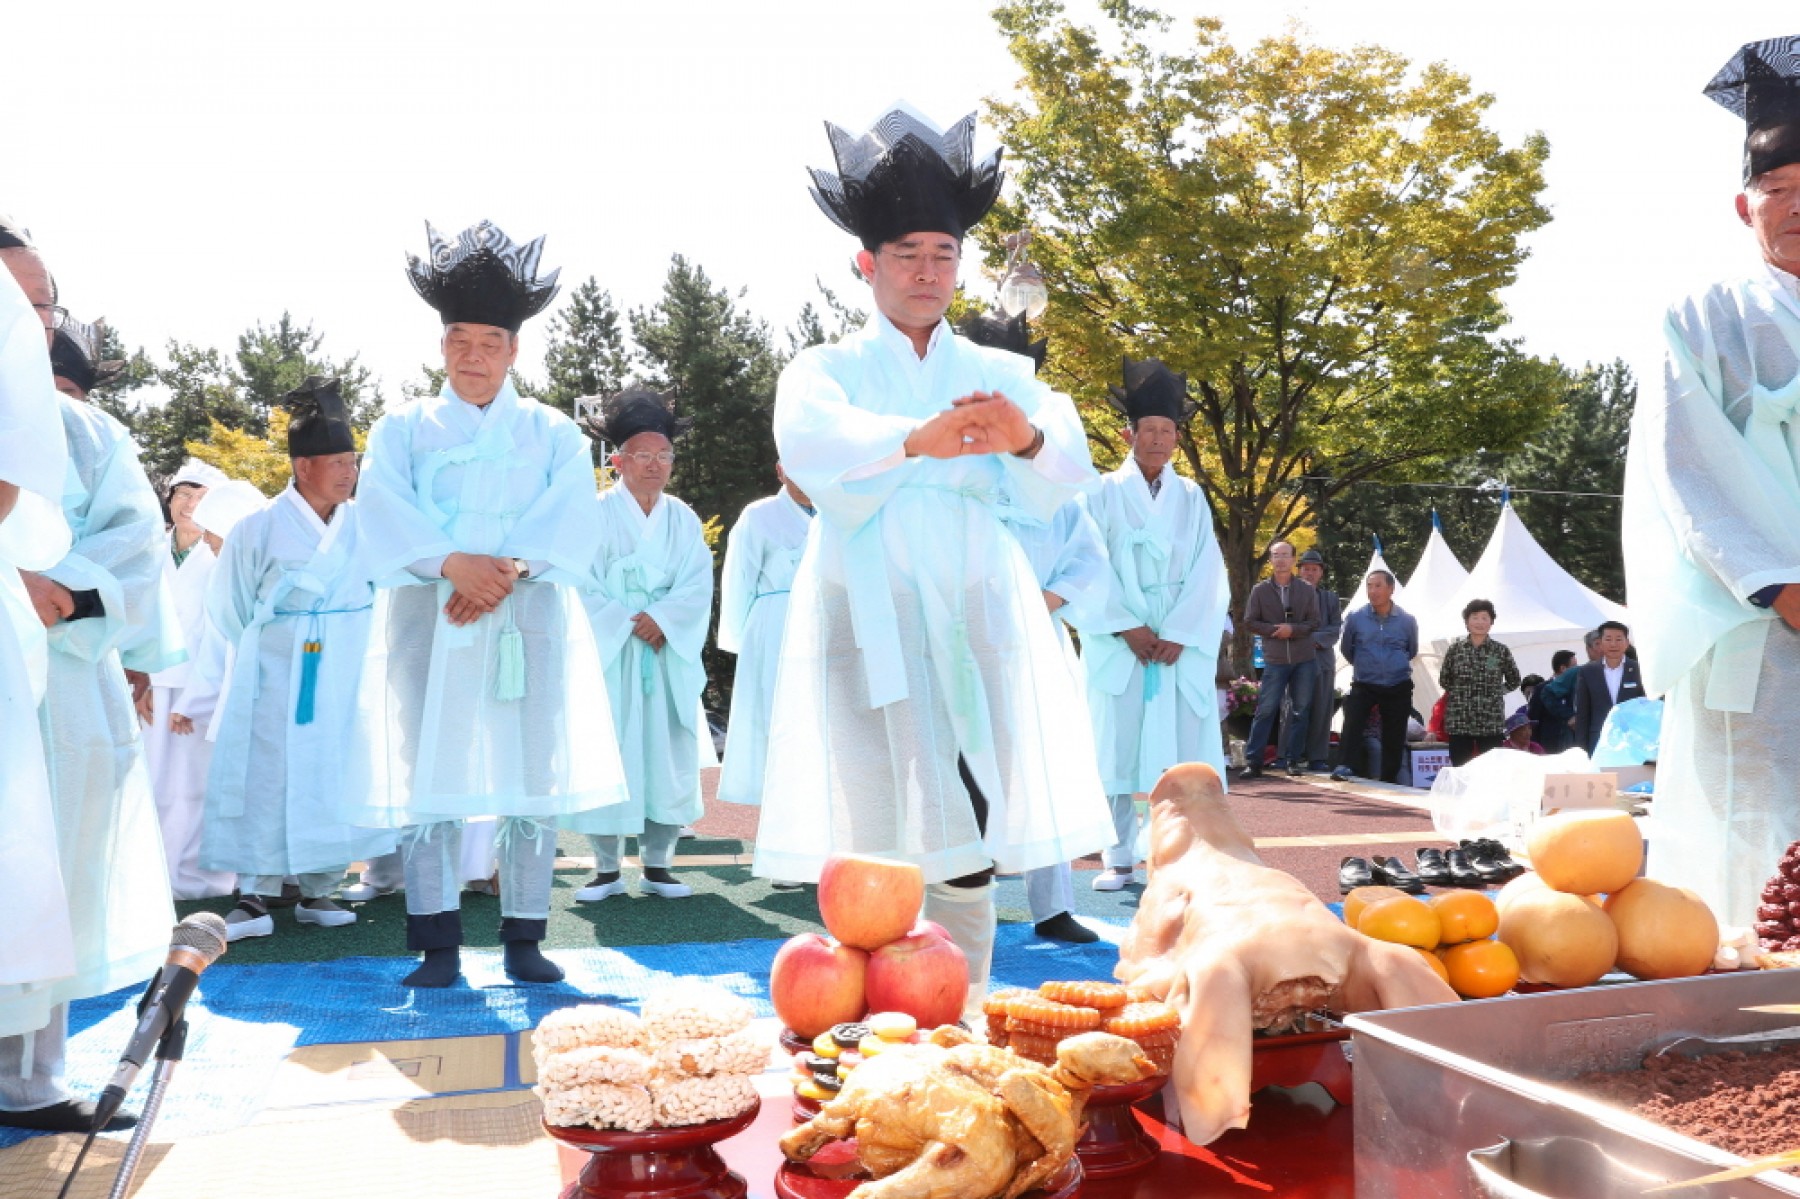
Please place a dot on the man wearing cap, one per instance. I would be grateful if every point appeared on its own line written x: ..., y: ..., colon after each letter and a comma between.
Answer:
x: 179, y: 764
x: 1325, y: 639
x: 292, y: 596
x: 1152, y: 648
x: 649, y: 596
x: 477, y: 514
x: 1711, y: 526
x: 916, y: 652
x: 88, y: 604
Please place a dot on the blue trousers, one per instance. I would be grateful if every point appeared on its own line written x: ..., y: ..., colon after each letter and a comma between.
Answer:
x: 1296, y: 681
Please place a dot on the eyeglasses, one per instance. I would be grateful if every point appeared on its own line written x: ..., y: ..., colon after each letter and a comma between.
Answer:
x: 912, y: 260
x: 645, y: 457
x: 59, y: 316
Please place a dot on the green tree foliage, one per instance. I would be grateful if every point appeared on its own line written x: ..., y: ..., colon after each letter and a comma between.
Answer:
x: 718, y: 361
x: 1580, y: 453
x: 238, y: 392
x: 586, y: 354
x: 1316, y: 237
x: 115, y: 398
x: 815, y: 327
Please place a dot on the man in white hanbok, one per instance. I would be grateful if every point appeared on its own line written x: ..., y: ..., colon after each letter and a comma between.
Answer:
x: 761, y: 555
x: 108, y: 847
x: 292, y: 596
x: 1152, y: 648
x: 927, y: 713
x: 1712, y: 529
x: 36, y: 944
x: 477, y: 512
x: 1070, y: 564
x: 649, y: 596
x: 178, y: 764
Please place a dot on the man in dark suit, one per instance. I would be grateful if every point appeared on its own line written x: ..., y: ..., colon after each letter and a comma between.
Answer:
x: 1610, y: 679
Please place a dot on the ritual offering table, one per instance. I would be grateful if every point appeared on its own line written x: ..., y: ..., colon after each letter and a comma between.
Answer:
x: 658, y: 1163
x: 1114, y: 1144
x: 834, y: 1172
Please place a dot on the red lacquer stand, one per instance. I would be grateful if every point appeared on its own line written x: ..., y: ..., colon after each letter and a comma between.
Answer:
x: 1115, y: 1145
x: 834, y: 1172
x: 661, y: 1163
x: 1291, y: 1059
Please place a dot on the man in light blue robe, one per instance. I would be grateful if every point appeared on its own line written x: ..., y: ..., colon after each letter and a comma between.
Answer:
x: 1070, y: 564
x: 649, y: 596
x: 476, y: 510
x: 1711, y: 533
x: 916, y: 652
x: 291, y: 595
x: 1153, y: 647
x: 761, y: 554
x: 91, y: 602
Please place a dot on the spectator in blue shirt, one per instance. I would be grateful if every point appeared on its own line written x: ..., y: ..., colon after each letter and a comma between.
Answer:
x: 1380, y: 642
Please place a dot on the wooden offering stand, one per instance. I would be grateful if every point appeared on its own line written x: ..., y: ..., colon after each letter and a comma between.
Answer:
x: 1115, y: 1145
x: 667, y: 1163
x: 1315, y: 1054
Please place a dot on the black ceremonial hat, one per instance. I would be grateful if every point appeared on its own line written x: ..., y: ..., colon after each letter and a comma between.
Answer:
x: 635, y: 410
x: 1761, y: 83
x: 1009, y: 333
x: 482, y: 278
x: 1152, y: 389
x: 906, y: 176
x: 320, y: 423
x: 75, y: 355
x: 13, y: 236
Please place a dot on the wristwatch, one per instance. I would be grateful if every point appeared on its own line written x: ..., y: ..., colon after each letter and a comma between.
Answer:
x: 523, y: 567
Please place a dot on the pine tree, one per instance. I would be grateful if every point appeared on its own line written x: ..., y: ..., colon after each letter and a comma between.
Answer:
x: 719, y: 363
x: 586, y: 353
x: 114, y: 398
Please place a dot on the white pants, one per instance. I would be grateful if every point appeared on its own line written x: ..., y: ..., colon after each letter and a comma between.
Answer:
x: 1122, y: 854
x: 316, y: 885
x: 1049, y: 891
x: 434, y: 881
x: 656, y: 844
x: 31, y: 1066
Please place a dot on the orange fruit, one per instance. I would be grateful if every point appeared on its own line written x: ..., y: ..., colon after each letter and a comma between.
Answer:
x: 1404, y: 921
x: 1466, y: 916
x: 1481, y: 969
x: 1433, y: 961
x: 1362, y: 897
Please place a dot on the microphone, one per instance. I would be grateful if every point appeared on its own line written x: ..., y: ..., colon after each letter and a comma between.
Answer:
x: 198, y: 942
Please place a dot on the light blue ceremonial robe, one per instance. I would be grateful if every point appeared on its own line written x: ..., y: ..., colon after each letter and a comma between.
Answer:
x: 916, y: 632
x: 656, y: 563
x: 108, y: 840
x: 279, y: 770
x: 36, y: 941
x: 1711, y: 516
x: 506, y: 716
x: 1068, y: 559
x: 1166, y: 573
x: 761, y: 556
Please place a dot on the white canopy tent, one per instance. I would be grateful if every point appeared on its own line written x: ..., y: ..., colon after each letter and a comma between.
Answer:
x: 1541, y: 608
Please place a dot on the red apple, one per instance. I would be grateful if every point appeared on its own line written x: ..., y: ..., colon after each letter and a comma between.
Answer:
x: 815, y: 984
x: 923, y: 927
x: 868, y: 901
x: 925, y: 976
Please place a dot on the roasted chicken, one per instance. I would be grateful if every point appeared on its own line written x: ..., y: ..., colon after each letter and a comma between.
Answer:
x: 953, y: 1119
x: 1235, y: 946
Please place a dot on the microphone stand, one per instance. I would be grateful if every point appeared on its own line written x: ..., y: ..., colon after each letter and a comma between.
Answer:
x: 168, y: 1053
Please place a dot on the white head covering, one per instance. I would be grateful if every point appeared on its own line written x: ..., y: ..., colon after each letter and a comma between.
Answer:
x: 196, y: 471
x: 226, y: 503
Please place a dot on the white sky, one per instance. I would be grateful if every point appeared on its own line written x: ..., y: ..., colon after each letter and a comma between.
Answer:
x: 191, y: 168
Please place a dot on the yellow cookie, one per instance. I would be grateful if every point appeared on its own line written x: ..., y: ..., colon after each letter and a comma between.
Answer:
x: 892, y: 1026
x: 824, y: 1046
x: 812, y: 1090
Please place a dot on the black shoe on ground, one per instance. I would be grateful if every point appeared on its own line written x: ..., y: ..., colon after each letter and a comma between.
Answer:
x: 1392, y: 872
x: 1354, y: 873
x: 1488, y: 855
x: 1250, y: 772
x: 1064, y: 927
x: 1462, y: 871
x: 71, y: 1115
x: 1296, y: 771
x: 1432, y: 870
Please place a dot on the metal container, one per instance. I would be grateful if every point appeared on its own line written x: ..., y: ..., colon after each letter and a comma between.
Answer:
x: 1463, y: 1099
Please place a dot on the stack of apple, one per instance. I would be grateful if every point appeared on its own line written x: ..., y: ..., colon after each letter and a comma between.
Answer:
x: 884, y: 959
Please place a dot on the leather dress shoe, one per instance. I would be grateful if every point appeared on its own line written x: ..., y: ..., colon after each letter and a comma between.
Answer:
x: 1462, y: 871
x: 1392, y: 872
x: 1431, y: 868
x: 1489, y: 857
x: 1354, y: 873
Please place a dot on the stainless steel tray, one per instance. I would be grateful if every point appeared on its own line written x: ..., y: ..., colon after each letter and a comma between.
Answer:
x: 1464, y: 1099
